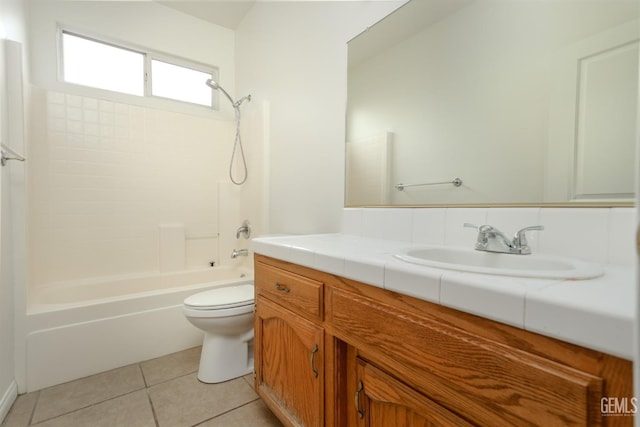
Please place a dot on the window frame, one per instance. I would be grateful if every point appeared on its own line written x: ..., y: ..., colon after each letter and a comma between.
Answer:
x: 148, y: 56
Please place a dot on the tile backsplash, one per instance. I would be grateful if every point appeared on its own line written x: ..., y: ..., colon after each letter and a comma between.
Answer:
x: 603, y: 235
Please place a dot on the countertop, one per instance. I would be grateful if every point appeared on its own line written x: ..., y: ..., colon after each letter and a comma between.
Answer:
x: 597, y: 313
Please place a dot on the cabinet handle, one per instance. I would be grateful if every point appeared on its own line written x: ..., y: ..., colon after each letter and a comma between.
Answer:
x: 282, y: 288
x: 360, y: 411
x: 312, y: 360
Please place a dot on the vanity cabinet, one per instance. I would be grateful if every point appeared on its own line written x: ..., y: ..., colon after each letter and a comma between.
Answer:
x: 290, y: 345
x: 393, y: 360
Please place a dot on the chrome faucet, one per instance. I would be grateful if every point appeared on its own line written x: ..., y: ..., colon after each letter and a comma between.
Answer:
x: 490, y: 239
x: 239, y: 252
x: 244, y: 230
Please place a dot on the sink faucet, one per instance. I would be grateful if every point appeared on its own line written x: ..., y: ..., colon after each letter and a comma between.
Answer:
x: 490, y: 239
x: 239, y: 252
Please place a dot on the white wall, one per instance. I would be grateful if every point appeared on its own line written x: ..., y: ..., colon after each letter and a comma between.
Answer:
x: 12, y: 27
x: 294, y: 54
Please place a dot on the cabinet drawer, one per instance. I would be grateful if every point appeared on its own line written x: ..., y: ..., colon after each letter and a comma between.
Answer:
x: 300, y: 294
x: 487, y: 382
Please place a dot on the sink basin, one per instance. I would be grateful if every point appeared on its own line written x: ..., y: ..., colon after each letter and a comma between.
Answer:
x: 533, y: 266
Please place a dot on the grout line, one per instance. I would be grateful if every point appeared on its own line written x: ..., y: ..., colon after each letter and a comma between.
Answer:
x: 153, y: 409
x: 225, y: 412
x: 87, y: 406
x: 173, y: 378
x: 33, y: 410
x: 144, y: 379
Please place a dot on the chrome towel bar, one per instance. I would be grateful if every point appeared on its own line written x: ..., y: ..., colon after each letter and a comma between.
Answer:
x: 457, y: 182
x: 7, y: 153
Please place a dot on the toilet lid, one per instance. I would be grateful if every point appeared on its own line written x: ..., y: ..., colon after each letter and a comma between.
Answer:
x: 228, y: 297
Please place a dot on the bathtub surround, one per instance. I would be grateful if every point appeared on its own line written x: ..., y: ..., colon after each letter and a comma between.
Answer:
x: 107, y: 176
x: 172, y: 247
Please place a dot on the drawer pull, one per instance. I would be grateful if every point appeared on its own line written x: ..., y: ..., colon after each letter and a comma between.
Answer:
x: 360, y: 411
x: 282, y: 288
x: 312, y: 360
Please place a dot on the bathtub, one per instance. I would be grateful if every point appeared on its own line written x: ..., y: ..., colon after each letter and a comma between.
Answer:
x: 76, y: 329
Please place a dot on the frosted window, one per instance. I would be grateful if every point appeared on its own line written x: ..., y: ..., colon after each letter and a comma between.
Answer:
x: 103, y: 66
x: 180, y: 83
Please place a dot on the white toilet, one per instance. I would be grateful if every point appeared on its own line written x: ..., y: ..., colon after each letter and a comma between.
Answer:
x: 226, y: 317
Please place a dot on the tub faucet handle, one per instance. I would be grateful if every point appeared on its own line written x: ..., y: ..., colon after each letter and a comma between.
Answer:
x: 244, y: 230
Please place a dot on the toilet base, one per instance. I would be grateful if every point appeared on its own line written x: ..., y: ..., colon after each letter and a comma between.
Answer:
x: 224, y: 358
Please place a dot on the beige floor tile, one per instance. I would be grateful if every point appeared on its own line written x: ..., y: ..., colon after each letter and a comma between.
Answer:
x: 171, y: 366
x: 186, y: 401
x: 131, y: 410
x: 254, y: 414
x: 21, y: 411
x: 64, y: 398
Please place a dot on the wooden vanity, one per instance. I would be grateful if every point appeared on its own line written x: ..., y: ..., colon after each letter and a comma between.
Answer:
x: 330, y: 351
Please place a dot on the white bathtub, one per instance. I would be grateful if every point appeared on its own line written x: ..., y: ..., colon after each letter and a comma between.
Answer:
x: 77, y: 329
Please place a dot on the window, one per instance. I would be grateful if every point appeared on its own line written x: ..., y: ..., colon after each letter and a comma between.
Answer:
x: 90, y: 63
x: 181, y: 83
x: 102, y: 65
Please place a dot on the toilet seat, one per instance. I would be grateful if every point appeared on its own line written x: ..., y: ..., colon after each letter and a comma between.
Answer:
x: 221, y: 298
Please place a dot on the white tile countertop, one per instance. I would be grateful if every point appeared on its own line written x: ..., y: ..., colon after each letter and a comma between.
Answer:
x: 597, y: 313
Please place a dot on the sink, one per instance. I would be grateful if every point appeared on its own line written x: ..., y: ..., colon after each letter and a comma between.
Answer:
x: 532, y: 266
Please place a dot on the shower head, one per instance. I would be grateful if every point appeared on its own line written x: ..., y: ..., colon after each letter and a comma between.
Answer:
x: 212, y: 84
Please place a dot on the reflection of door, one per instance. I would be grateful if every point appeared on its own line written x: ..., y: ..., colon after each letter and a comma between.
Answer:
x: 605, y: 125
x: 593, y: 120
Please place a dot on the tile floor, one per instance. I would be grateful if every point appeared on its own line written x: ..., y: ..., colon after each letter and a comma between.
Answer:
x: 162, y: 392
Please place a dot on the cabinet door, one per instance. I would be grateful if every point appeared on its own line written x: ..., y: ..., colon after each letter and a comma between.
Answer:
x: 383, y: 401
x: 289, y: 362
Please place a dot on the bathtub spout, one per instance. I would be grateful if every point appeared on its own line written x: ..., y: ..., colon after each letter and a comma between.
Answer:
x: 239, y: 252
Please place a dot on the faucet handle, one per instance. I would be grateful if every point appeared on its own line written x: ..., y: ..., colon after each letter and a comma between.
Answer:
x: 483, y: 233
x: 244, y: 230
x: 520, y: 239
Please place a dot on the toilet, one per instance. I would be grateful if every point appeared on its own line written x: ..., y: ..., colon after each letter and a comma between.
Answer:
x: 226, y: 317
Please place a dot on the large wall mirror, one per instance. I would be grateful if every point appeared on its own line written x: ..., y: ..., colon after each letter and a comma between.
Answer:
x: 517, y: 101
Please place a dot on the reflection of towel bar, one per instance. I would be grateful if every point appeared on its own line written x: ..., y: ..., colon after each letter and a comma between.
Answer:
x: 6, y: 153
x: 456, y: 182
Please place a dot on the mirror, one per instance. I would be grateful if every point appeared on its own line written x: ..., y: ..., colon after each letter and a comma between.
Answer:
x: 524, y: 101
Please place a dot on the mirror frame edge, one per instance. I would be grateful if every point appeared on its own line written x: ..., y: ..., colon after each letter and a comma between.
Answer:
x: 629, y: 204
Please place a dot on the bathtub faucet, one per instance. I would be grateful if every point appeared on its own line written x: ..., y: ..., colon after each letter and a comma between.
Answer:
x: 239, y: 252
x: 244, y: 230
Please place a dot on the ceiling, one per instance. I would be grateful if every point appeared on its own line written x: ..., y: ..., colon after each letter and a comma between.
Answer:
x: 226, y: 13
